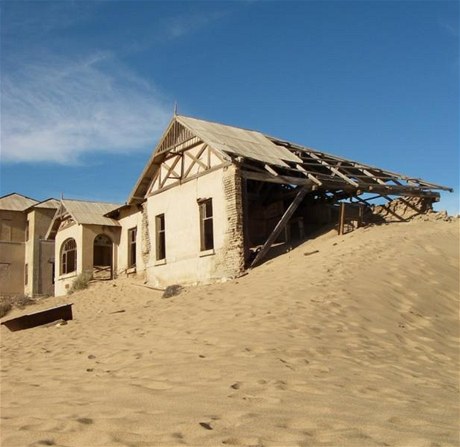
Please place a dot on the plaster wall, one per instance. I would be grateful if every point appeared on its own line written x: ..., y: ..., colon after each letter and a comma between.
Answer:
x: 185, y: 263
x: 12, y: 252
x: 84, y: 237
x: 62, y: 283
x: 12, y: 268
x: 131, y: 218
x: 12, y: 226
x: 39, y: 253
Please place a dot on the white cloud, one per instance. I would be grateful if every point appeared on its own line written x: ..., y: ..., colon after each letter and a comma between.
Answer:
x: 57, y: 110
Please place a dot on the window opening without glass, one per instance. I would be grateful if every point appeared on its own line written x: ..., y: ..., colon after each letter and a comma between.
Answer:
x: 206, y: 225
x: 132, y: 233
x: 160, y: 237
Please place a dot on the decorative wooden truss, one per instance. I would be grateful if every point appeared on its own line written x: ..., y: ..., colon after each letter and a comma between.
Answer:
x: 185, y: 162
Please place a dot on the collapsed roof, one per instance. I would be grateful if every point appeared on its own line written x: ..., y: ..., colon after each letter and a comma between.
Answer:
x: 265, y: 158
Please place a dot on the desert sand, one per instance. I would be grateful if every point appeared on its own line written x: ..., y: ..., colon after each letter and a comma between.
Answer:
x: 344, y: 341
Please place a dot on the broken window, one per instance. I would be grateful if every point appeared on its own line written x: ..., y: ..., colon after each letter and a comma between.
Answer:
x: 160, y: 237
x: 132, y: 232
x: 69, y: 256
x: 206, y: 225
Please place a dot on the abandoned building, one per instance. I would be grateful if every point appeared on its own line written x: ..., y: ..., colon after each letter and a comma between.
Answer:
x: 86, y: 241
x: 26, y: 256
x: 211, y: 202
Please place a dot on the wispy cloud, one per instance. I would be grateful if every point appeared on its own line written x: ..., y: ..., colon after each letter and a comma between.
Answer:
x: 451, y: 28
x: 58, y: 110
x: 181, y: 25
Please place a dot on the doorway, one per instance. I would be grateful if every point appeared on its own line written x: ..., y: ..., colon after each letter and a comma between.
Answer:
x: 102, y: 257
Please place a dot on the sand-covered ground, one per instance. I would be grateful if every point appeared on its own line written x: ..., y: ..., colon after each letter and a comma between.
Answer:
x: 356, y: 344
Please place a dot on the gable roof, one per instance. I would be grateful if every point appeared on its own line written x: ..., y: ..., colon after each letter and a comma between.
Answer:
x: 227, y: 140
x: 90, y: 213
x: 83, y: 213
x: 240, y: 142
x: 271, y: 159
x: 16, y: 202
x: 46, y: 204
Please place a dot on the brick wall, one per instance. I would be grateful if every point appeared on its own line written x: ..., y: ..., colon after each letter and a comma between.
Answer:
x: 145, y: 236
x: 230, y: 262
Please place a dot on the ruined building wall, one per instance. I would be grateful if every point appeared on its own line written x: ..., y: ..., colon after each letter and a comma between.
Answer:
x: 230, y: 261
x: 401, y: 209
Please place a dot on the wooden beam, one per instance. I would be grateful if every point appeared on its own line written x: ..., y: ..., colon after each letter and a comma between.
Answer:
x: 341, y: 219
x: 189, y: 178
x: 281, y: 224
x: 271, y: 170
x: 170, y: 169
x: 332, y: 169
x: 282, y: 179
x: 309, y: 175
x: 195, y: 160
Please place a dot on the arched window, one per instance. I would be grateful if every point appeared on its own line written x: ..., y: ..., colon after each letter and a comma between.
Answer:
x: 68, y: 256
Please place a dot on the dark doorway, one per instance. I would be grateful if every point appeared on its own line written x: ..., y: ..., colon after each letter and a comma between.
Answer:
x: 103, y: 257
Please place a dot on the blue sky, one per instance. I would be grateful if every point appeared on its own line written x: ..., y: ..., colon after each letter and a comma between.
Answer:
x: 88, y: 87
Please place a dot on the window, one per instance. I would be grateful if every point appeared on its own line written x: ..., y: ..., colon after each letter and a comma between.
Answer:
x: 26, y: 274
x: 160, y: 236
x: 132, y: 232
x: 68, y: 256
x: 5, y: 228
x: 27, y: 231
x: 206, y: 227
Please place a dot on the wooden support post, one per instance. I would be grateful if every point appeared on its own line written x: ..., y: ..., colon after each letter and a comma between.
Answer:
x: 342, y: 218
x: 281, y: 224
x: 246, y: 235
x: 361, y: 215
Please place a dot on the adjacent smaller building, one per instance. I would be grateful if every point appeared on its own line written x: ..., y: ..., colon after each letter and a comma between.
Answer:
x: 26, y: 257
x: 85, y: 241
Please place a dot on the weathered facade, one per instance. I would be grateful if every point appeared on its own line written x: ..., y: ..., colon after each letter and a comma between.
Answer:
x: 26, y: 257
x: 213, y: 199
x: 85, y: 242
x: 211, y: 202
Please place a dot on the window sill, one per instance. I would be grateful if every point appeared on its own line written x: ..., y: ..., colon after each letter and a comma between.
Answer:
x: 207, y: 253
x: 67, y: 275
x: 160, y: 262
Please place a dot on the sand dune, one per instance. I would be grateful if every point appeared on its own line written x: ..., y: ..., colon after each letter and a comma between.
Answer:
x: 353, y: 345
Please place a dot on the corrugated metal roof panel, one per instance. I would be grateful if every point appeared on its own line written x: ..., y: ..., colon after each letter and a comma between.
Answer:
x: 50, y: 203
x: 91, y: 213
x: 16, y: 202
x: 242, y: 142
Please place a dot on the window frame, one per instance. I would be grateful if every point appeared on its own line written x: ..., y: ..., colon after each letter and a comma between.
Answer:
x: 206, y: 224
x: 160, y: 237
x: 132, y: 247
x: 65, y: 252
x: 26, y: 274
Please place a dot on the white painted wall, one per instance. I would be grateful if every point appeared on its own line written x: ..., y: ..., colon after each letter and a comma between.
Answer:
x: 185, y: 264
x: 84, y: 236
x: 62, y: 283
x: 129, y: 219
